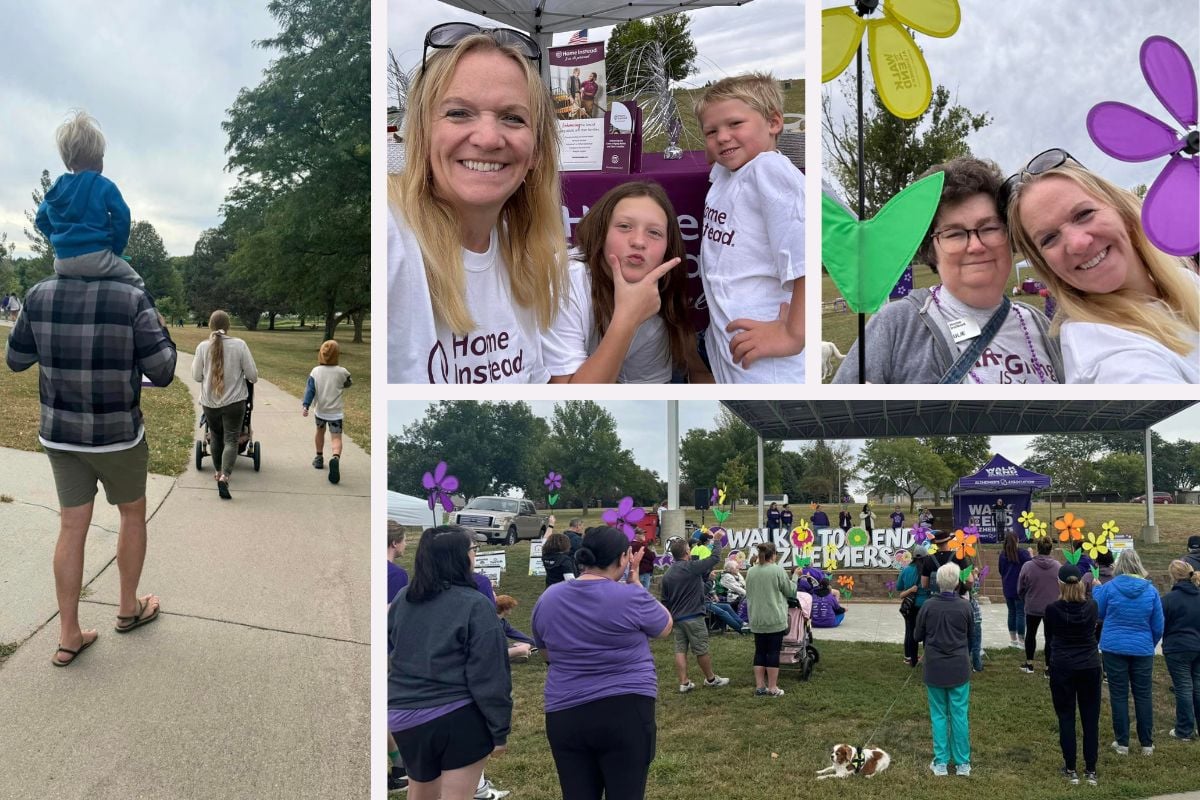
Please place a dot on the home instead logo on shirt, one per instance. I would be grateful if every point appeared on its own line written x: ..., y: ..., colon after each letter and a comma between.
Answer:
x: 476, y: 358
x: 714, y: 226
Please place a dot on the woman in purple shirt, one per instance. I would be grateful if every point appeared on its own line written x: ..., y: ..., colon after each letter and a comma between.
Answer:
x: 601, y: 687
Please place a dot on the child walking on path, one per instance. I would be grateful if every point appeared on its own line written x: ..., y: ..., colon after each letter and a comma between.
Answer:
x: 83, y: 214
x: 324, y: 393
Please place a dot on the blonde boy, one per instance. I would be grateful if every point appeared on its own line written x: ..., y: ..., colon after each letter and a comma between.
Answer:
x: 324, y: 392
x: 752, y: 253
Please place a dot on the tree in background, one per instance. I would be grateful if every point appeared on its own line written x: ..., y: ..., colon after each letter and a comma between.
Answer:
x: 622, y: 50
x: 148, y: 255
x: 895, y: 150
x: 1122, y: 474
x: 584, y: 447
x: 32, y: 270
x: 1069, y: 460
x: 300, y: 144
x: 8, y: 273
x: 962, y: 455
x: 900, y: 466
x: 825, y: 467
x: 703, y: 455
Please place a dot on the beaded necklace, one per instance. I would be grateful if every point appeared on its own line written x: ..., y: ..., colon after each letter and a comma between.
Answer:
x: 1038, y: 368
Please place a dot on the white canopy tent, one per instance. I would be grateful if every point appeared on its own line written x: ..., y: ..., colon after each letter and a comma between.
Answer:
x: 543, y: 18
x: 408, y: 510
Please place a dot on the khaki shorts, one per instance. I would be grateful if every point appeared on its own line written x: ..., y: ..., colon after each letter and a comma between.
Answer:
x: 123, y: 473
x: 691, y: 633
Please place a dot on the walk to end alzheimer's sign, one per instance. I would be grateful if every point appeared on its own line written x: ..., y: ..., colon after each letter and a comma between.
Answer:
x: 878, y: 552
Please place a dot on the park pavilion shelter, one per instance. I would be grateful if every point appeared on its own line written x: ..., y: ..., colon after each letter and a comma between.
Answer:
x: 999, y: 479
x: 875, y: 419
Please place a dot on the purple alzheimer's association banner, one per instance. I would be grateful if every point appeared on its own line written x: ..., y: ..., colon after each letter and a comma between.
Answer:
x: 976, y: 496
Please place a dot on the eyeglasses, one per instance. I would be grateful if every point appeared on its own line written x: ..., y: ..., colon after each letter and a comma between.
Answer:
x: 472, y: 548
x: 449, y: 34
x: 956, y: 240
x: 1043, y: 162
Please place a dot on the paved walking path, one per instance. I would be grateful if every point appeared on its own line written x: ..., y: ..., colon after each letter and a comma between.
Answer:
x: 255, y: 681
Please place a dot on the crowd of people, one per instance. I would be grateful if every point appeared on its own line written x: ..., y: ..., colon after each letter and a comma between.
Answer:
x: 601, y: 685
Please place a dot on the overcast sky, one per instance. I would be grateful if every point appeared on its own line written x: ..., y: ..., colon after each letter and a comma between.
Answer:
x: 642, y: 426
x: 762, y: 35
x: 157, y: 74
x: 1038, y: 66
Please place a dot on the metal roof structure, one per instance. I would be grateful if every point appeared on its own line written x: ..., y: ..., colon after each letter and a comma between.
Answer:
x: 877, y: 419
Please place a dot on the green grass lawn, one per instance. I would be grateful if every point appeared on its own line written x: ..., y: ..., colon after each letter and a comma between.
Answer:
x: 841, y: 327
x: 168, y: 415
x: 727, y: 743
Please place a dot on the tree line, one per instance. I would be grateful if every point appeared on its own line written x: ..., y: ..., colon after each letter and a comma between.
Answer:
x: 294, y: 238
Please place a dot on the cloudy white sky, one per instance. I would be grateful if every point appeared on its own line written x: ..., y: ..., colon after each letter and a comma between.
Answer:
x: 1038, y: 66
x: 763, y: 35
x: 642, y: 426
x: 157, y: 74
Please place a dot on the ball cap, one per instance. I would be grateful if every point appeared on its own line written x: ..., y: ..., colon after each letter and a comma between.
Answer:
x: 1194, y: 543
x: 1069, y: 573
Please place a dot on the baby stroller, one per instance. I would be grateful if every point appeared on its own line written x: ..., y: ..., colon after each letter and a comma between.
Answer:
x: 246, y: 445
x: 798, y: 651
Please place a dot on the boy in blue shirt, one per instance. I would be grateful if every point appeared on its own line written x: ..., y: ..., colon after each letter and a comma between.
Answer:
x: 83, y: 214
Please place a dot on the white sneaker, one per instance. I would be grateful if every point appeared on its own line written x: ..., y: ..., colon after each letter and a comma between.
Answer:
x: 963, y: 770
x: 776, y: 692
x: 938, y: 769
x: 1148, y: 751
x: 716, y: 681
x: 1015, y: 644
x: 684, y: 688
x: 1122, y: 750
x: 490, y: 792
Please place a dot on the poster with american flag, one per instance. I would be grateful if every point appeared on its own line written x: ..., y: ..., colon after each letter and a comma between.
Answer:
x: 578, y: 37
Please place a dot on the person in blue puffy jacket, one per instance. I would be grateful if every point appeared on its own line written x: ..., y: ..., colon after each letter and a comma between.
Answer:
x: 1132, y: 615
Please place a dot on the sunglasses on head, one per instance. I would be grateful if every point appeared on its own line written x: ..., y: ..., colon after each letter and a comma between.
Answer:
x: 448, y: 34
x: 1044, y: 161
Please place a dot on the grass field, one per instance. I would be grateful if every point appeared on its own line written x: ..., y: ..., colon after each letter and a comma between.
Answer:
x: 793, y: 103
x: 841, y: 327
x: 168, y: 415
x: 726, y: 743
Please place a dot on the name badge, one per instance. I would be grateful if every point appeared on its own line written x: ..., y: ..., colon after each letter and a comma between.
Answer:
x: 963, y: 329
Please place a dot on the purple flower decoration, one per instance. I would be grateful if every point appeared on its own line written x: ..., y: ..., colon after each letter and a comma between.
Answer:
x: 665, y: 560
x: 553, y: 481
x: 713, y: 499
x: 971, y: 530
x: 624, y: 517
x: 1171, y: 211
x: 440, y: 485
x: 920, y: 534
x: 719, y: 535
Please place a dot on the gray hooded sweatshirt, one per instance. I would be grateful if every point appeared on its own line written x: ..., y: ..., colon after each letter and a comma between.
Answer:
x: 1038, y: 584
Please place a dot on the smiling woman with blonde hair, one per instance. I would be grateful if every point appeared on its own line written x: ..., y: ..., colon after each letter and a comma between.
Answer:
x: 1127, y: 312
x: 476, y: 248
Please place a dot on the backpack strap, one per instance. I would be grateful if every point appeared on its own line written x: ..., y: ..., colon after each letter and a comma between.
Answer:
x: 967, y: 358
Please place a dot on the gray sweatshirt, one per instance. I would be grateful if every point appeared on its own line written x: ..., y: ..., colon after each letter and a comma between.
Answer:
x: 683, y: 585
x: 907, y: 344
x: 1037, y: 584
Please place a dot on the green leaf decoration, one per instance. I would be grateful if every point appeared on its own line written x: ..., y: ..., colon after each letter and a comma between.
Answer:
x: 721, y: 515
x: 865, y: 259
x: 551, y: 499
x: 965, y: 573
x: 1072, y: 556
x: 1095, y: 572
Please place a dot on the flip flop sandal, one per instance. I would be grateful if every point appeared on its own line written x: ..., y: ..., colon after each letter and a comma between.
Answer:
x: 137, y: 620
x: 74, y: 654
x: 223, y: 490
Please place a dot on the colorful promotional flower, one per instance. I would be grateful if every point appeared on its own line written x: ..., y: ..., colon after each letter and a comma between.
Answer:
x: 831, y: 563
x: 1094, y: 545
x: 1070, y: 527
x: 847, y: 581
x: 901, y: 74
x: 891, y: 588
x: 720, y: 535
x: 1036, y: 529
x: 1171, y: 210
x: 714, y: 499
x: 801, y: 536
x: 721, y: 497
x: 1026, y: 518
x: 857, y: 537
x: 624, y: 517
x: 663, y: 561
x: 553, y: 481
x: 983, y: 573
x: 901, y: 559
x: 920, y: 534
x: 963, y: 544
x: 440, y: 485
x: 1110, y: 529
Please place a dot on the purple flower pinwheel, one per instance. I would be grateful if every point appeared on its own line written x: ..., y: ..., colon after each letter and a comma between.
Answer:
x: 920, y: 534
x: 714, y: 498
x: 665, y: 560
x: 440, y: 485
x: 624, y: 516
x: 720, y: 535
x: 971, y: 530
x: 553, y: 481
x: 1171, y: 210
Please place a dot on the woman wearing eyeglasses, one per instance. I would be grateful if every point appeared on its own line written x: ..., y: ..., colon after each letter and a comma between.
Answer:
x: 449, y: 685
x: 964, y: 330
x: 1127, y: 313
x: 476, y: 248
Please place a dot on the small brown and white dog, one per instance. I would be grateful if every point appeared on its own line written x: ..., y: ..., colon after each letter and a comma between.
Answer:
x: 847, y: 760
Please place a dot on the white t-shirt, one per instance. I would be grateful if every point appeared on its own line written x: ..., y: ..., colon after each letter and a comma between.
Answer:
x: 1097, y: 353
x: 329, y: 381
x: 752, y: 251
x: 504, y: 347
x: 573, y: 338
x: 1009, y: 357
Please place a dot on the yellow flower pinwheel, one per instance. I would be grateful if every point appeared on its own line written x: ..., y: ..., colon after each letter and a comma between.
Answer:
x: 1026, y: 518
x: 831, y: 563
x: 1036, y: 528
x: 901, y: 75
x: 1094, y: 545
x: 1070, y: 527
x: 1110, y: 528
x: 721, y: 496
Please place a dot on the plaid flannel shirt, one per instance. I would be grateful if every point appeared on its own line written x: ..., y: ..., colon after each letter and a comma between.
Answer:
x: 93, y: 338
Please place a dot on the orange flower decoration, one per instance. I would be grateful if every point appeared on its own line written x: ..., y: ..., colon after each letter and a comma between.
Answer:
x: 847, y: 581
x: 963, y: 544
x: 1070, y: 527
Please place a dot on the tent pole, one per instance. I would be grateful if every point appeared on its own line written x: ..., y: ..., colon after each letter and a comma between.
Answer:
x: 760, y: 482
x: 1149, y: 530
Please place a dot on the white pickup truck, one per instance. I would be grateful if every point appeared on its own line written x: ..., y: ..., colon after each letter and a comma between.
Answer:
x: 501, y: 519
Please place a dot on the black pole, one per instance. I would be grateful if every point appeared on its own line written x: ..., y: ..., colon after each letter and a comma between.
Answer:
x: 862, y: 318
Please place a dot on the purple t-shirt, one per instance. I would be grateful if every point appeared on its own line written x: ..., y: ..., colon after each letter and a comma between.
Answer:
x: 397, y: 580
x: 597, y: 633
x: 403, y: 719
x: 485, y: 586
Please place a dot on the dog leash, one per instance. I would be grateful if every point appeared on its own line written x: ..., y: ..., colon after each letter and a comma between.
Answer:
x: 899, y: 694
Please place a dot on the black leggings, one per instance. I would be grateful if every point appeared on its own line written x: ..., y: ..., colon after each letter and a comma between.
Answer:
x: 910, y: 643
x: 766, y: 649
x: 1031, y: 627
x: 1082, y: 686
x: 603, y: 747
